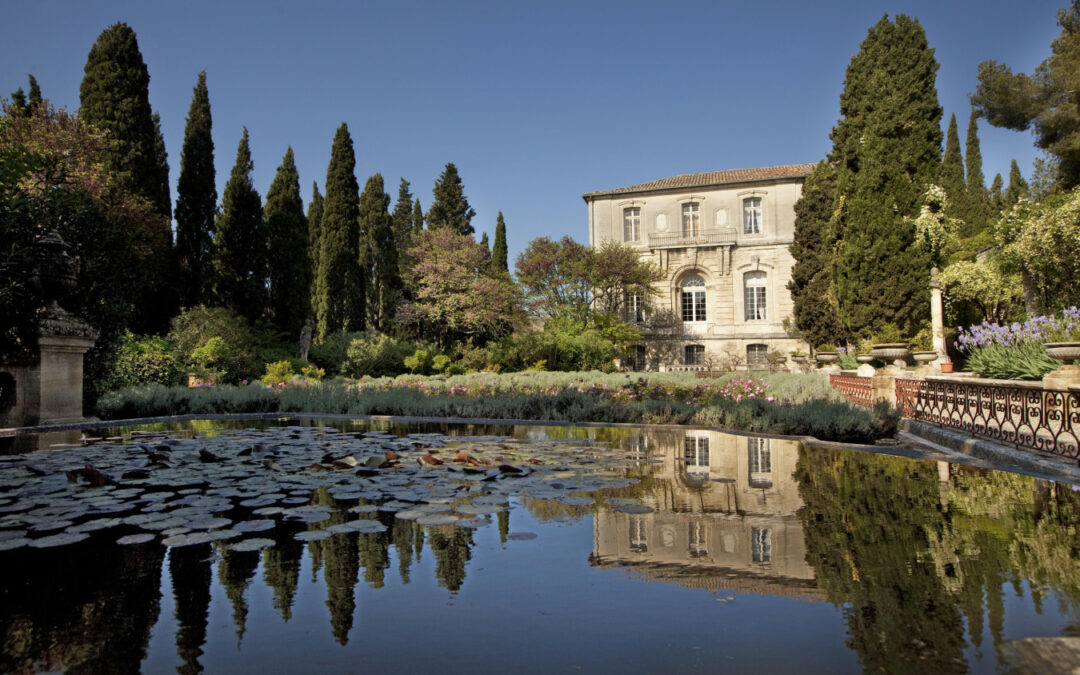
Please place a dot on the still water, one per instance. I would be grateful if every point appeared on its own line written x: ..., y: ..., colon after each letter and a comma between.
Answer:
x: 593, y: 549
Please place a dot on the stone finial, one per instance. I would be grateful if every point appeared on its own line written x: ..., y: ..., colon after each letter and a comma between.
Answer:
x: 54, y: 275
x: 934, y: 283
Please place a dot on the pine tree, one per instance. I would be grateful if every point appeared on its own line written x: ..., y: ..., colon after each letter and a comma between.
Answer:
x: 814, y: 310
x: 977, y: 213
x: 952, y: 172
x: 240, y: 242
x: 196, y: 198
x: 450, y: 207
x: 289, y: 274
x: 314, y: 222
x: 340, y: 285
x: 1018, y: 187
x: 499, y: 254
x: 887, y: 149
x: 377, y: 229
x: 114, y: 97
x: 417, y: 217
x: 34, y: 93
x: 997, y: 197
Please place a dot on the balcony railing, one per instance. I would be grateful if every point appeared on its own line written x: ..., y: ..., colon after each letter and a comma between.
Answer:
x: 854, y: 388
x: 701, y: 238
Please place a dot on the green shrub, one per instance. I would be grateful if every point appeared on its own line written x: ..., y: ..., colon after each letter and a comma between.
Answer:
x: 330, y: 354
x: 313, y: 372
x: 374, y: 354
x: 419, y: 363
x: 213, y: 339
x: 440, y: 362
x: 1023, y: 360
x: 278, y: 372
x: 142, y: 359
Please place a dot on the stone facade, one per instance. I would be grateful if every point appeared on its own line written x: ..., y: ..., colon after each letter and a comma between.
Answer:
x: 722, y: 239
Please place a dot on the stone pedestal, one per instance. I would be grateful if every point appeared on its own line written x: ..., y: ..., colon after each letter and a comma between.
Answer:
x: 937, y: 320
x: 1062, y: 378
x: 61, y: 378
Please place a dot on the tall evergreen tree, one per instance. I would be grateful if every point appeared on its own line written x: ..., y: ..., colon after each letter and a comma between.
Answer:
x: 450, y: 208
x: 417, y: 217
x: 340, y: 285
x: 815, y: 313
x: 888, y: 149
x: 34, y: 95
x: 997, y: 196
x: 1018, y: 187
x: 952, y: 172
x: 978, y: 199
x: 403, y: 225
x: 289, y: 274
x: 18, y: 102
x: 314, y: 221
x: 114, y: 97
x: 196, y: 199
x: 499, y: 253
x: 486, y: 245
x: 240, y: 241
x: 377, y: 228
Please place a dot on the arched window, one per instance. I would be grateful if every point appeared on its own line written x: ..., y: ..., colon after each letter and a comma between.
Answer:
x: 754, y: 300
x: 693, y: 298
x: 691, y: 220
x: 751, y: 212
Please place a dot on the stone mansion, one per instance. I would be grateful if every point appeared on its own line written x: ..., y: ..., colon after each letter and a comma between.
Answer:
x: 722, y: 239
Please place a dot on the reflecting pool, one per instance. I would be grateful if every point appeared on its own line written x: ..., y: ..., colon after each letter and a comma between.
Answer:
x: 342, y: 546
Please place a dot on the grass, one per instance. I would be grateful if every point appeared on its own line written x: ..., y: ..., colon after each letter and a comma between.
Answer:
x: 781, y: 403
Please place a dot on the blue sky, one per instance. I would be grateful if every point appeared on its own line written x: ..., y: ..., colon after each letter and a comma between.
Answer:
x: 536, y: 103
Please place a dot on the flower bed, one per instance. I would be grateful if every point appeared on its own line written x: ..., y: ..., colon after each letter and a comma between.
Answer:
x: 1015, y: 351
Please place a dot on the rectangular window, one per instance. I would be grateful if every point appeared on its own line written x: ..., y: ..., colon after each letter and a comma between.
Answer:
x: 761, y: 544
x: 693, y: 355
x: 754, y: 300
x: 693, y: 305
x: 691, y: 220
x: 636, y: 360
x: 752, y: 215
x: 635, y: 308
x: 696, y: 450
x: 757, y: 355
x: 632, y: 224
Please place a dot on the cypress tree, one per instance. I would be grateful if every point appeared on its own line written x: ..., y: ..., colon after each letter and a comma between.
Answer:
x: 289, y: 274
x: 403, y: 225
x: 814, y: 308
x: 196, y: 198
x: 18, y: 102
x: 952, y: 172
x: 341, y: 289
x: 314, y: 218
x: 499, y: 254
x: 240, y: 242
x: 997, y: 198
x: 34, y: 93
x: 417, y: 217
x: 382, y: 254
x: 888, y: 149
x: 1018, y: 187
x: 114, y: 97
x: 450, y: 207
x: 978, y: 199
x: 486, y: 244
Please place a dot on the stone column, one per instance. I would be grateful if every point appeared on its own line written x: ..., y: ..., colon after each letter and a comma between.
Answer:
x: 61, y: 378
x: 937, y: 319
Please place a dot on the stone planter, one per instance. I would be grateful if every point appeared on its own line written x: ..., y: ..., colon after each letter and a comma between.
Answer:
x: 1069, y: 352
x: 864, y: 358
x: 924, y: 357
x: 798, y: 359
x: 897, y: 352
x: 827, y: 357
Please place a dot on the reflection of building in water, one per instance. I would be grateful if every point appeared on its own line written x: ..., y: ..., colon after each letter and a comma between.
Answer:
x: 725, y: 516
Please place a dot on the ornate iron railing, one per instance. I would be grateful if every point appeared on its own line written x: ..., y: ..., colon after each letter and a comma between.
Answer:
x: 1026, y: 416
x: 854, y: 388
x: 700, y: 238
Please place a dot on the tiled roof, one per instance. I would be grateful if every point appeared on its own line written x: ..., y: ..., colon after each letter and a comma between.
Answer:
x: 712, y: 178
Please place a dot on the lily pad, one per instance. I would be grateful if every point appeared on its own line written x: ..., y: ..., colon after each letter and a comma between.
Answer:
x: 140, y: 538
x: 12, y: 544
x: 62, y: 539
x: 248, y: 545
x: 208, y: 523
x: 436, y: 519
x: 192, y: 539
x: 255, y: 525
x: 311, y: 535
x: 366, y: 526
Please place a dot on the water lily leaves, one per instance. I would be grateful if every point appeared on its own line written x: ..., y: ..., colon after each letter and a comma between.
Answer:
x: 12, y: 544
x: 472, y: 523
x: 140, y: 538
x: 478, y: 509
x: 436, y: 519
x: 366, y: 526
x: 208, y: 523
x: 255, y: 526
x: 311, y: 535
x: 249, y: 545
x: 191, y: 539
x: 62, y: 539
x: 95, y: 525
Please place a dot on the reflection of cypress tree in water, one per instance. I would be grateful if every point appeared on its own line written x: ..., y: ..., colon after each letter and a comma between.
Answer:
x: 191, y: 577
x: 866, y: 520
x: 89, y: 607
x: 281, y: 571
x: 401, y: 531
x: 374, y: 556
x: 504, y: 525
x: 236, y: 569
x: 342, y: 567
x: 451, y: 548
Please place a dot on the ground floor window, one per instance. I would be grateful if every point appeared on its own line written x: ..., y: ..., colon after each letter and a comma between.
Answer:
x: 635, y: 360
x: 760, y: 462
x: 761, y: 544
x: 693, y: 355
x: 757, y: 355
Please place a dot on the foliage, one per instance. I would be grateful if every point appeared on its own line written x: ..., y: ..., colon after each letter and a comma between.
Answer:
x: 314, y: 221
x: 1046, y: 102
x: 278, y: 373
x: 566, y: 346
x: 951, y: 177
x: 814, y: 305
x: 976, y: 214
x: 450, y: 208
x: 1041, y: 240
x: 419, y: 362
x: 289, y: 274
x: 375, y: 354
x: 887, y: 147
x: 142, y: 359
x: 330, y: 352
x: 499, y: 261
x: 454, y: 300
x: 240, y: 242
x: 935, y: 230
x: 196, y: 199
x: 340, y: 284
x: 1023, y: 360
x: 401, y: 219
x: 1015, y: 351
x: 379, y: 256
x: 996, y: 294
x: 215, y: 338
